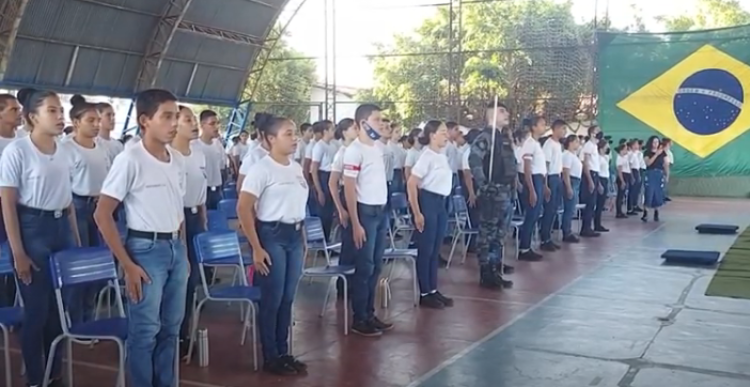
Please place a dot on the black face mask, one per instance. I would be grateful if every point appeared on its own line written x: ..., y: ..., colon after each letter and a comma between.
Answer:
x: 599, y: 136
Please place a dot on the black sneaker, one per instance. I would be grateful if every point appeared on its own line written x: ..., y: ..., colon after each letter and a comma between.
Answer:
x: 621, y: 216
x: 548, y: 247
x: 656, y: 216
x: 445, y: 300
x: 380, y: 324
x: 365, y: 328
x: 571, y: 239
x: 279, y: 367
x: 299, y: 366
x: 530, y: 256
x: 56, y: 383
x: 601, y: 229
x: 431, y: 301
x: 590, y: 234
x: 506, y: 269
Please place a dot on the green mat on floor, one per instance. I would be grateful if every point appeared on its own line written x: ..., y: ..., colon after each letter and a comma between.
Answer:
x: 732, y: 279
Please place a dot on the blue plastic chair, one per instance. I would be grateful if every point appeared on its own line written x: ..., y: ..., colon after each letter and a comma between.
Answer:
x: 218, y: 248
x: 81, y: 266
x: 401, y: 216
x: 316, y: 240
x: 463, y: 230
x: 229, y: 208
x: 229, y: 192
x: 10, y: 317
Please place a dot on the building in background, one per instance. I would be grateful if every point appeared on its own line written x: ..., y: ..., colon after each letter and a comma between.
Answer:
x: 346, y: 104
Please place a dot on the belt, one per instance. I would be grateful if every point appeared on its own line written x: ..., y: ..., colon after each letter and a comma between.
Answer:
x: 373, y: 206
x: 87, y: 199
x: 43, y: 213
x: 165, y: 236
x: 279, y: 224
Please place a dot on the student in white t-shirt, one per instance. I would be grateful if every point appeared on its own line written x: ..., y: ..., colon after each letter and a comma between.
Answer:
x: 429, y: 188
x: 271, y: 210
x: 634, y: 191
x: 571, y: 177
x: 553, y: 154
x: 346, y: 132
x: 320, y: 171
x: 35, y: 174
x: 601, y: 198
x: 149, y: 178
x: 366, y: 192
x: 590, y: 184
x: 622, y: 166
x: 210, y: 145
x: 194, y: 203
x: 413, y: 153
x: 305, y: 135
x: 535, y: 190
x: 107, y: 124
x: 309, y: 154
x: 667, y: 143
x: 237, y: 150
x: 10, y: 114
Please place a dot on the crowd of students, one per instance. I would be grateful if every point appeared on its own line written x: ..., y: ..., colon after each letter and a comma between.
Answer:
x: 60, y: 193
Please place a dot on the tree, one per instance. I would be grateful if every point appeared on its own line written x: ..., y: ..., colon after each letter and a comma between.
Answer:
x: 283, y: 88
x: 708, y: 14
x: 532, y: 54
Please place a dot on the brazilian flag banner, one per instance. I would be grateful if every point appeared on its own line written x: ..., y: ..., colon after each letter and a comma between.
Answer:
x: 690, y: 87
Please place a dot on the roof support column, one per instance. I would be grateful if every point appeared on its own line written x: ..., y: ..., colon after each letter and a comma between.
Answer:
x: 11, y: 12
x: 157, y: 49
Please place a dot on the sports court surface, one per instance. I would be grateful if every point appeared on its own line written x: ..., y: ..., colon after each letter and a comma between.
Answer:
x: 605, y: 313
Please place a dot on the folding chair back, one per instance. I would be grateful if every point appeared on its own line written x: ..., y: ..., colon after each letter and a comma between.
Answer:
x: 217, y: 221
x: 82, y: 265
x: 314, y: 230
x: 214, y: 247
x: 229, y: 208
x: 399, y: 203
x: 460, y: 211
x: 6, y: 259
x: 229, y: 192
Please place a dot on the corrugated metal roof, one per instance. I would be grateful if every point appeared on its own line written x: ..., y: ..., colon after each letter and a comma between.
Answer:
x: 98, y: 46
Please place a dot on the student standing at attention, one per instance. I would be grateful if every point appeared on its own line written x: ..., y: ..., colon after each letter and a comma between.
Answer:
x: 366, y: 192
x: 429, y: 187
x: 572, y: 172
x: 211, y: 147
x: 106, y: 126
x: 194, y: 202
x: 149, y: 179
x: 271, y: 210
x: 535, y: 189
x: 38, y: 212
x: 553, y: 152
x: 10, y: 118
x: 320, y: 171
x: 590, y: 184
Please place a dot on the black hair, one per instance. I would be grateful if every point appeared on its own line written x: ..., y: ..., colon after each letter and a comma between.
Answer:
x: 4, y: 98
x: 413, y: 135
x: 591, y: 129
x: 364, y: 112
x: 451, y: 124
x: 650, y: 141
x: 491, y: 105
x: 80, y: 107
x: 621, y: 147
x: 304, y: 127
x: 68, y: 130
x: 531, y: 121
x: 623, y: 141
x: 268, y: 125
x: 147, y: 102
x: 586, y: 138
x: 254, y: 136
x: 321, y: 126
x: 126, y: 138
x: 430, y: 128
x: 569, y: 140
x: 472, y: 135
x: 235, y: 139
x: 386, y: 120
x: 102, y: 106
x: 558, y: 123
x: 601, y: 144
x: 32, y: 100
x: 395, y: 125
x: 206, y: 114
x: 342, y: 127
x: 183, y: 107
x: 666, y: 140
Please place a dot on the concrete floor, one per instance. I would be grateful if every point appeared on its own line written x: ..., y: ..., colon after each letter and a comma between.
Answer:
x: 604, y: 313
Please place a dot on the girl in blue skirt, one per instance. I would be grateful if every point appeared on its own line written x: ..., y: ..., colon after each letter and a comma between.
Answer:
x: 657, y: 164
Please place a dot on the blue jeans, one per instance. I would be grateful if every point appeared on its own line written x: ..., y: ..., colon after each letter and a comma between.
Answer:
x: 569, y: 206
x: 434, y: 210
x: 635, y: 189
x: 531, y: 216
x: 154, y: 322
x: 554, y: 182
x: 193, y: 226
x: 588, y: 197
x: 83, y: 305
x: 284, y: 245
x: 42, y: 235
x: 327, y: 209
x: 368, y: 261
x: 346, y: 257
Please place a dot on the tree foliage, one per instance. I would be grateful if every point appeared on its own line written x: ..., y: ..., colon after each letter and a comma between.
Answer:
x: 708, y: 14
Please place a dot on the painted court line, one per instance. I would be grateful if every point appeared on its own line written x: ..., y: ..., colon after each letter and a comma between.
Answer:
x: 417, y: 382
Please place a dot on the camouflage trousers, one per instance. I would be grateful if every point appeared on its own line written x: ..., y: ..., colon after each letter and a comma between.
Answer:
x: 495, y: 204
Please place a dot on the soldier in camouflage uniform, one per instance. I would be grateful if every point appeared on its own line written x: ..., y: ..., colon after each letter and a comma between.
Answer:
x: 494, y: 193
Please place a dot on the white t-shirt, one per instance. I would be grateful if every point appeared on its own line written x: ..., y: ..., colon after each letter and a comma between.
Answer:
x: 670, y: 156
x: 251, y: 157
x: 633, y: 160
x: 604, y: 166
x: 519, y: 158
x: 590, y: 149
x: 323, y: 153
x: 434, y: 171
x: 22, y: 132
x: 281, y: 191
x: 309, y: 149
x: 572, y: 163
x: 238, y: 150
x: 151, y: 190
x: 215, y: 159
x: 338, y: 160
x: 43, y: 181
x: 4, y: 143
x: 454, y: 156
x: 532, y: 151
x: 641, y: 160
x: 90, y: 167
x: 134, y: 140
x: 623, y: 164
x: 299, y: 154
x: 388, y: 159
x: 195, y: 178
x: 399, y: 155
x: 111, y: 146
x: 365, y: 164
x: 553, y: 154
x: 411, y: 157
x: 465, y: 159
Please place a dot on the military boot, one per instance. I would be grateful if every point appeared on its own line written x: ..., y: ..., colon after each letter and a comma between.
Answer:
x: 488, y: 277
